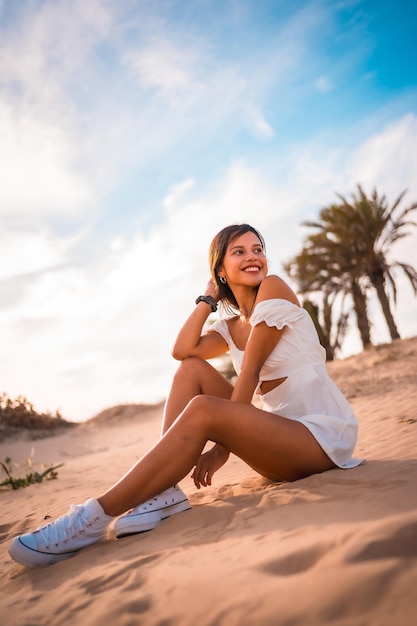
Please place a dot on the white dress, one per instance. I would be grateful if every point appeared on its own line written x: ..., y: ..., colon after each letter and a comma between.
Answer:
x: 308, y: 395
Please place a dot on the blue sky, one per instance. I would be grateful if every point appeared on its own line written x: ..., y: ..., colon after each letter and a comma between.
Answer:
x: 131, y: 131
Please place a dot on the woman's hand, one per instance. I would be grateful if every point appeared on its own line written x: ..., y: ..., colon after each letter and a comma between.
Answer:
x: 193, y: 340
x: 212, y: 290
x: 208, y: 463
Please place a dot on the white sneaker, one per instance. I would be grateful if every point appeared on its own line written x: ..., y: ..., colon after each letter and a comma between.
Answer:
x: 82, y: 525
x: 149, y: 514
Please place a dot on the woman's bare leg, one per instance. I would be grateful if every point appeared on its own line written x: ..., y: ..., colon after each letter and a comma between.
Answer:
x: 193, y: 377
x: 278, y: 448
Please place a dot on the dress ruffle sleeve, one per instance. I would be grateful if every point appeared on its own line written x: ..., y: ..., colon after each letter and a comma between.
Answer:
x: 277, y: 312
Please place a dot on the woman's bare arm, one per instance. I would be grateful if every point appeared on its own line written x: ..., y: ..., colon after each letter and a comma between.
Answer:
x: 191, y: 341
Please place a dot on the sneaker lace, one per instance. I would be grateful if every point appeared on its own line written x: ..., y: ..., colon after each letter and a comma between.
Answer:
x: 144, y: 506
x: 66, y: 527
x: 150, y: 504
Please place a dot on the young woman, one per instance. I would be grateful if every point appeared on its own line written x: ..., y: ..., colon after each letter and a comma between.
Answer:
x: 305, y: 425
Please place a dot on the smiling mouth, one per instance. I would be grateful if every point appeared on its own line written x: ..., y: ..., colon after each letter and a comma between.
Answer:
x: 252, y: 268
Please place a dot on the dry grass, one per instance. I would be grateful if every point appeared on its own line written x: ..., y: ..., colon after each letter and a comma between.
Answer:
x: 18, y: 416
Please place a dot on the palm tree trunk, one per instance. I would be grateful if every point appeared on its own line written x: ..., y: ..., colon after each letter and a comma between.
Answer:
x: 323, y: 336
x: 360, y: 306
x: 378, y: 282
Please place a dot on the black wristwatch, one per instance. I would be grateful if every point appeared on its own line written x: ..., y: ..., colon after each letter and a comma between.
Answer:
x: 208, y: 300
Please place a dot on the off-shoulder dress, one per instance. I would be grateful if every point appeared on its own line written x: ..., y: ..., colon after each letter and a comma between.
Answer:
x: 308, y: 394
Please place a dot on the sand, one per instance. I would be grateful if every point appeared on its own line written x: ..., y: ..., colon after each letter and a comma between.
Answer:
x: 335, y: 548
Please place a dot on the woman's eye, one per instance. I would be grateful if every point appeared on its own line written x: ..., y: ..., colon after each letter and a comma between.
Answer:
x: 240, y: 251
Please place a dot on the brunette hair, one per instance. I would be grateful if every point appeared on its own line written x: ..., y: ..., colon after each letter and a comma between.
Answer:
x: 217, y: 252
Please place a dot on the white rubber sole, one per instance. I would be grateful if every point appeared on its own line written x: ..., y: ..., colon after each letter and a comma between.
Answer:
x: 33, y: 558
x: 142, y: 522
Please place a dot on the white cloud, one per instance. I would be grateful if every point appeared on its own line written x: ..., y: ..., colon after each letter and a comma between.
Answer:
x: 388, y: 158
x: 177, y: 193
x: 260, y: 126
x: 43, y: 60
x: 164, y: 66
x: 50, y: 43
x: 25, y: 252
x: 37, y: 174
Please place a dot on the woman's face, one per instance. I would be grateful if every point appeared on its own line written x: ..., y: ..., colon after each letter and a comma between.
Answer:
x: 244, y: 262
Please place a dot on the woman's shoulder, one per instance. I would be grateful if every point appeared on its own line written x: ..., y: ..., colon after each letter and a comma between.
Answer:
x: 274, y: 287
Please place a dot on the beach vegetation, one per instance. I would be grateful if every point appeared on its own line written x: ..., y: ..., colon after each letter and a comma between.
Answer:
x: 19, y: 414
x: 15, y: 479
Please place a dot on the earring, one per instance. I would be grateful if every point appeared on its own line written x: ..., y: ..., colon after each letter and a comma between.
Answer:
x: 222, y: 280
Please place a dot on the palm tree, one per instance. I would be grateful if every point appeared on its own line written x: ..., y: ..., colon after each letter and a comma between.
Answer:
x: 377, y: 226
x: 325, y: 267
x: 330, y: 338
x: 349, y: 254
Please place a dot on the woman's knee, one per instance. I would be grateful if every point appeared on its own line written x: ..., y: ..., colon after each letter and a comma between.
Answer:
x: 200, y: 410
x: 206, y: 379
x: 191, y: 366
